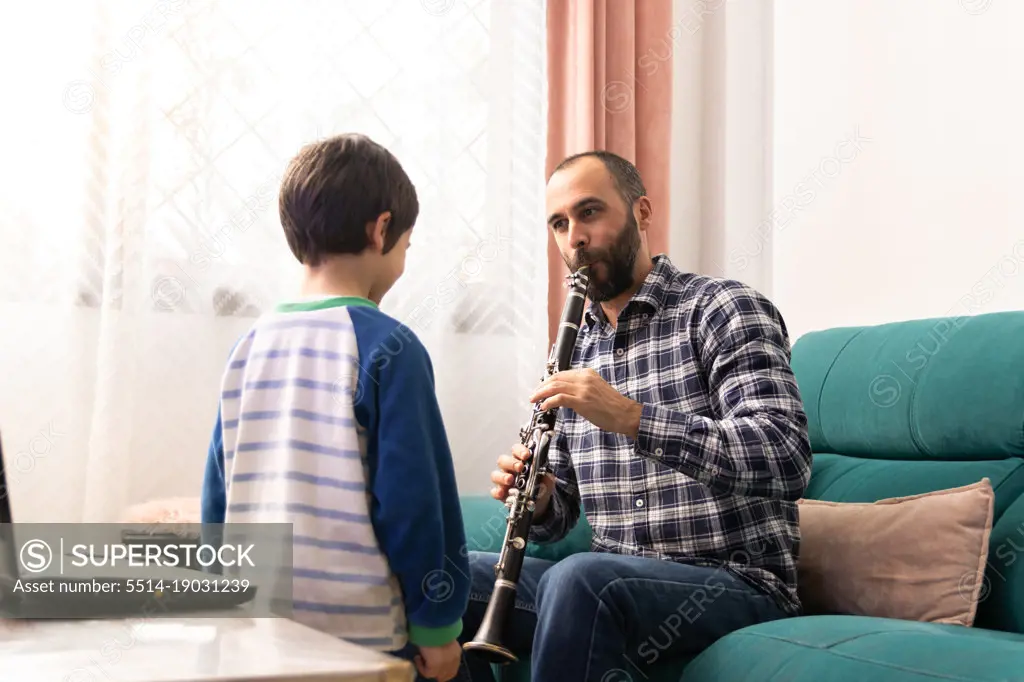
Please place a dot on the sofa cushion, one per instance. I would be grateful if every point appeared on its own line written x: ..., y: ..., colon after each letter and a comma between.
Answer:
x: 854, y: 479
x: 873, y: 559
x: 855, y: 648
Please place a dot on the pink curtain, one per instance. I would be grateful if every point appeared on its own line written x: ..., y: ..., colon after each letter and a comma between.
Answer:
x: 610, y: 87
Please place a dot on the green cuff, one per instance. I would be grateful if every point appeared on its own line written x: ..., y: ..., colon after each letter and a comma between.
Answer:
x: 421, y: 636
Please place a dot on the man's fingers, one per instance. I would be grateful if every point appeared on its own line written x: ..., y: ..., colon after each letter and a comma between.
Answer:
x: 548, y: 388
x: 501, y: 478
x: 504, y: 476
x: 560, y: 400
x: 509, y: 464
x: 555, y: 397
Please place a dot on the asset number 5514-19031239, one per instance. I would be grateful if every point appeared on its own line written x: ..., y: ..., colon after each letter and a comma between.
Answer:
x: 188, y: 585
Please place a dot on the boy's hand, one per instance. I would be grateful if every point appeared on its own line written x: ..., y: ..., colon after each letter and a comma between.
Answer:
x: 505, y: 475
x: 439, y: 663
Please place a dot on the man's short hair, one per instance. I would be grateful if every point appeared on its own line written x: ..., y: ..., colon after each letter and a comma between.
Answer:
x: 626, y: 176
x: 333, y: 188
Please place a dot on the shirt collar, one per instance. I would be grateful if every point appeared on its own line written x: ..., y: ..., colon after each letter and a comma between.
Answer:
x: 648, y: 299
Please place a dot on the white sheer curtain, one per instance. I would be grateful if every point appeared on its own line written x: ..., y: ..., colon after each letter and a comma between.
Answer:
x: 139, y: 233
x: 723, y: 217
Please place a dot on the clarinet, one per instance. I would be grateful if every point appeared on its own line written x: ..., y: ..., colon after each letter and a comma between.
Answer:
x: 522, y: 497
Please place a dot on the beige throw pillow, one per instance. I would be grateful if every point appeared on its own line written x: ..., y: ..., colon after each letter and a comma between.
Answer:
x: 918, y: 558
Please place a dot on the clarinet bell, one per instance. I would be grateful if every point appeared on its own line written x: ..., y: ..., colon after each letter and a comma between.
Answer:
x: 489, y: 637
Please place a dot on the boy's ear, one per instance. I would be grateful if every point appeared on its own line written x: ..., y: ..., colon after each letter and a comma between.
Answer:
x: 376, y: 231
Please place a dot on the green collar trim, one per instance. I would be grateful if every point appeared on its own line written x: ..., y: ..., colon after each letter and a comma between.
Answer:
x: 332, y: 302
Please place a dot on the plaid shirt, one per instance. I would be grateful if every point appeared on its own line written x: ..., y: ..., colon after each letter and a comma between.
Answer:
x: 722, y: 452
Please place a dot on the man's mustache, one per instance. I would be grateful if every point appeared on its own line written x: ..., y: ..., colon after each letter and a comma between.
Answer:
x: 581, y: 259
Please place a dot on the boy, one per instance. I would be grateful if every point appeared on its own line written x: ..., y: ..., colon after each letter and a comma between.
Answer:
x: 328, y: 420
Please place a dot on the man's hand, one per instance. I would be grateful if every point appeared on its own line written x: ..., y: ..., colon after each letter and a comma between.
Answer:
x: 591, y: 397
x: 439, y: 663
x: 505, y: 475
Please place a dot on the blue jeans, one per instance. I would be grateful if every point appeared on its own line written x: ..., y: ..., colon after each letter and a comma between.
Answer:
x: 598, y: 617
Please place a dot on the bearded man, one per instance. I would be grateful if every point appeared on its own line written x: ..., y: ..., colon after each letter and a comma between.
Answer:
x: 682, y: 437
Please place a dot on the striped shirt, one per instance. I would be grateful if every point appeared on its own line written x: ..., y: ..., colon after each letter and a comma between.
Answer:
x: 329, y: 421
x: 722, y: 452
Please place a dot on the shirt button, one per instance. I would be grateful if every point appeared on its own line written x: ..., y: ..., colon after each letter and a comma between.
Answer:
x: 659, y: 451
x: 619, y: 352
x: 639, y: 503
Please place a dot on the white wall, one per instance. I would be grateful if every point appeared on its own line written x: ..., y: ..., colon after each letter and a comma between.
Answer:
x: 892, y: 188
x: 897, y: 145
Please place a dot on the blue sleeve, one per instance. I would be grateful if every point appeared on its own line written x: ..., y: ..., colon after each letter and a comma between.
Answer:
x: 415, y: 507
x: 213, y: 499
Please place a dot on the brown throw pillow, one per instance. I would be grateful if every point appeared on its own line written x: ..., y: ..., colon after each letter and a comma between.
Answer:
x: 918, y: 558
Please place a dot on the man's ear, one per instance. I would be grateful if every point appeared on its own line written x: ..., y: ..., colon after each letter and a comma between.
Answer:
x: 376, y: 231
x: 643, y: 211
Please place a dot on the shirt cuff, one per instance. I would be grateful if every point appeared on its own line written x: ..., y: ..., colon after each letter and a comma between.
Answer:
x: 670, y: 436
x: 659, y: 433
x: 552, y: 527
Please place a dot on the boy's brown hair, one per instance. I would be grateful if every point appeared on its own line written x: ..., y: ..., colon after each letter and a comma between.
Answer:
x: 333, y: 188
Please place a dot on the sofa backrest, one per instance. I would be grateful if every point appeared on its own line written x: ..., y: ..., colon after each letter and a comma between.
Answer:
x: 921, y: 405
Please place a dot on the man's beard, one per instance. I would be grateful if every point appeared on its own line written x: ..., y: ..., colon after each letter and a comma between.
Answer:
x: 618, y: 261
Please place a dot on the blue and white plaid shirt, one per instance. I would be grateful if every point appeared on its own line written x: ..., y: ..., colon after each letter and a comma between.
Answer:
x: 722, y: 452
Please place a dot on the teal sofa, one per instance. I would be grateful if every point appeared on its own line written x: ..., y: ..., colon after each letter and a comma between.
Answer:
x: 894, y: 410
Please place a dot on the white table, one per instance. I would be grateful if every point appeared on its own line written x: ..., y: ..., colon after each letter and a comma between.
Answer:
x: 186, y: 650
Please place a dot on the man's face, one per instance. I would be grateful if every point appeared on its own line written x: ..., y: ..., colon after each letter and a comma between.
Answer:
x: 592, y: 225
